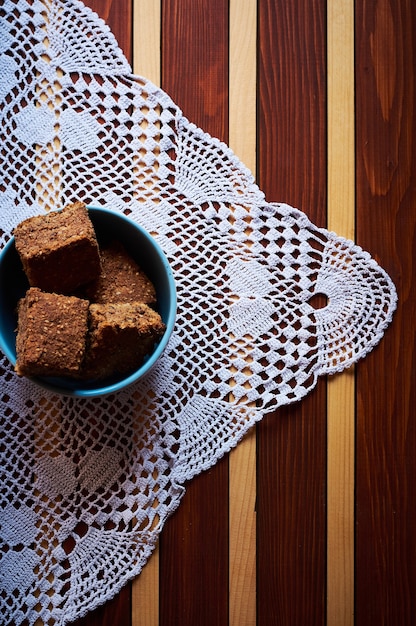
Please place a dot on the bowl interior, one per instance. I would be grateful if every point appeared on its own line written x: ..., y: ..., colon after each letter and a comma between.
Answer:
x: 144, y: 250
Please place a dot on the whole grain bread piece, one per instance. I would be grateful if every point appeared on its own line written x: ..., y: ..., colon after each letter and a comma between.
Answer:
x: 51, y: 334
x: 59, y: 250
x: 120, y: 336
x: 121, y: 279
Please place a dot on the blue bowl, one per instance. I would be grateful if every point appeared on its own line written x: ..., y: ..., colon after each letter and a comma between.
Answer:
x: 144, y: 250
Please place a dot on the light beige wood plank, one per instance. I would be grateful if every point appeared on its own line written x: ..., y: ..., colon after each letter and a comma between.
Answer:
x: 242, y: 140
x: 243, y: 532
x: 146, y: 39
x: 340, y: 536
x: 242, y: 81
x: 144, y: 594
x: 341, y: 418
x: 146, y: 63
x: 341, y: 155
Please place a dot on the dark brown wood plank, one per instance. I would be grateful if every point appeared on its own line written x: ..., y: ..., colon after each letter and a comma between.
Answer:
x: 292, y: 104
x: 386, y: 219
x: 291, y: 489
x: 194, y: 554
x: 194, y: 542
x: 118, y: 16
x: 116, y: 611
x: 195, y: 61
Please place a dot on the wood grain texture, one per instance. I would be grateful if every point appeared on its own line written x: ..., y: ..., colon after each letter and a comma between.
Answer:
x: 145, y: 594
x: 386, y: 218
x: 243, y: 81
x: 291, y: 454
x: 291, y: 521
x: 116, y: 611
x: 341, y: 389
x: 292, y: 104
x: 147, y: 63
x: 303, y: 158
x: 340, y: 497
x: 195, y: 61
x: 242, y: 525
x: 242, y: 461
x: 194, y: 543
x: 147, y: 39
x: 118, y: 16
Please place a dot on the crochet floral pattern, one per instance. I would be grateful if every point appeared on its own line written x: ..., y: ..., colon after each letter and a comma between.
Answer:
x: 87, y: 484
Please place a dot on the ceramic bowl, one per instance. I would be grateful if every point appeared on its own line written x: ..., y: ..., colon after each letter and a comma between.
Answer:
x: 143, y: 248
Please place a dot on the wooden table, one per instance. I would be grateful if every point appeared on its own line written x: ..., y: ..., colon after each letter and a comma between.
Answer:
x: 312, y: 519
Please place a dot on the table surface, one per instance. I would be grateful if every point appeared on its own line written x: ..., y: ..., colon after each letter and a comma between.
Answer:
x: 312, y: 519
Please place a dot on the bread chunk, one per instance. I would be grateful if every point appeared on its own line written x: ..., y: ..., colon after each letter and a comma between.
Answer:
x: 59, y: 250
x: 120, y: 336
x: 121, y: 279
x: 51, y: 334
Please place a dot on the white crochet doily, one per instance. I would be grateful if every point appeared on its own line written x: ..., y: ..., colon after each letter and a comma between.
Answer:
x: 87, y: 484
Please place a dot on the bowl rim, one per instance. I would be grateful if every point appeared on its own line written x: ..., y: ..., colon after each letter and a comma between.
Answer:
x: 3, y: 345
x: 123, y: 383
